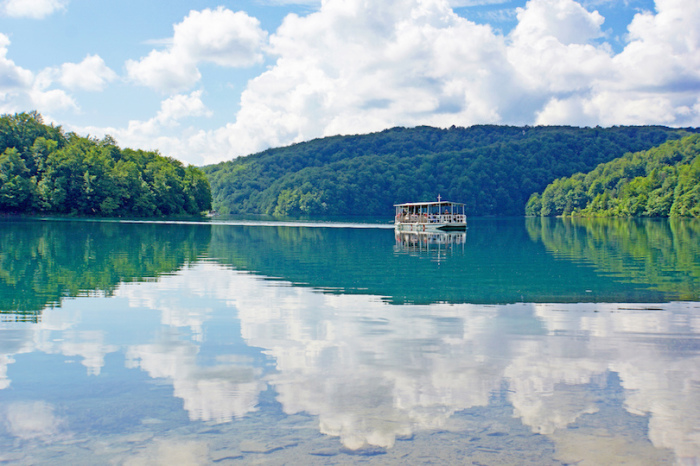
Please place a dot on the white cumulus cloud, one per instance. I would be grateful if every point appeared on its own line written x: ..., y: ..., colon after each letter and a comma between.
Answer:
x: 91, y: 74
x: 13, y: 79
x: 20, y: 89
x: 49, y: 101
x: 36, y: 9
x: 164, y: 70
x: 165, y: 131
x: 357, y: 66
x: 566, y: 21
x: 181, y: 106
x: 654, y: 80
x: 219, y: 36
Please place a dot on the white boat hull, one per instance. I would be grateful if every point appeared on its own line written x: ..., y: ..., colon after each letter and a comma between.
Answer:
x: 420, y: 227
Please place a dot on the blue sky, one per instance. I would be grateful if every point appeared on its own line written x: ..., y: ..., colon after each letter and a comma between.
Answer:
x: 207, y: 81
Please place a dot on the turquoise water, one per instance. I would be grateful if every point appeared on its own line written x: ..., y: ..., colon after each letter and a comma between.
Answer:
x: 521, y: 341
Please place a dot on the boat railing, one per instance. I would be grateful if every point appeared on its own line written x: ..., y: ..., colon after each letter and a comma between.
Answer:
x: 452, y: 218
x: 432, y: 218
x: 412, y: 218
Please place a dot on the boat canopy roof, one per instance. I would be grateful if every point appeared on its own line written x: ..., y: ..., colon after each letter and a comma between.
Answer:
x: 435, y: 203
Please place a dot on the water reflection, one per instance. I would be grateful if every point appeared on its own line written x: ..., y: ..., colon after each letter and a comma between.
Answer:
x: 164, y: 452
x: 34, y: 420
x: 498, y: 263
x: 436, y: 245
x: 219, y: 393
x: 500, y: 260
x: 216, y: 358
x: 55, y: 334
x: 373, y: 373
x: 377, y: 372
x: 43, y: 262
x: 219, y: 388
x: 664, y: 254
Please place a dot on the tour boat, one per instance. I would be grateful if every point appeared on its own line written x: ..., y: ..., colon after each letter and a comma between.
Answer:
x: 430, y: 216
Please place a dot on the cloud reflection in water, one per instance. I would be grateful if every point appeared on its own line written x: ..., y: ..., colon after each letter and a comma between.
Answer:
x: 373, y: 372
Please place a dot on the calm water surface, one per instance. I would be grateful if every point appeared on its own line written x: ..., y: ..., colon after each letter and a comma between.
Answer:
x: 522, y: 341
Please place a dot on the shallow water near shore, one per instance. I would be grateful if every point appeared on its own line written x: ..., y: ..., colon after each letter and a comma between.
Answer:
x: 520, y: 341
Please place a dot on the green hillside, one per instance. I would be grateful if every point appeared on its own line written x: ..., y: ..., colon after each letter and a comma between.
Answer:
x: 493, y: 169
x: 661, y: 182
x: 43, y: 170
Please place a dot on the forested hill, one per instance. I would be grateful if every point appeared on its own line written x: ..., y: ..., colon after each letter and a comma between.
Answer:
x: 44, y: 170
x: 660, y: 182
x: 493, y: 169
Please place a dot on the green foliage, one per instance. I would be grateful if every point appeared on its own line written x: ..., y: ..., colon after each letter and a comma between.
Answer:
x: 493, y: 169
x: 17, y: 189
x: 22, y: 130
x: 660, y: 182
x: 44, y: 170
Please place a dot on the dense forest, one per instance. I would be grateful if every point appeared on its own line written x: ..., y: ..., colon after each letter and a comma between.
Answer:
x: 492, y: 169
x: 660, y: 182
x: 43, y: 170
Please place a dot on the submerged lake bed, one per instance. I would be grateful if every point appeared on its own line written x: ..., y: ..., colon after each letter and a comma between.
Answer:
x: 520, y: 341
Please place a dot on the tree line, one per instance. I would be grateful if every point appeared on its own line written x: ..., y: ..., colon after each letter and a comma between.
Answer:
x: 44, y: 170
x: 492, y: 169
x: 660, y: 182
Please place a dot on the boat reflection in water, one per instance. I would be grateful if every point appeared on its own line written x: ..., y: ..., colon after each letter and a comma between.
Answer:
x: 437, y: 245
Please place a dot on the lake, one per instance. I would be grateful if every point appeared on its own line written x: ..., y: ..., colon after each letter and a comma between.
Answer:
x: 521, y: 341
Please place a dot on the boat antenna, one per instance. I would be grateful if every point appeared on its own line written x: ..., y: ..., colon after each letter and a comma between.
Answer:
x: 438, y: 198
